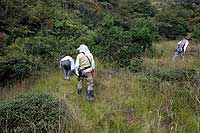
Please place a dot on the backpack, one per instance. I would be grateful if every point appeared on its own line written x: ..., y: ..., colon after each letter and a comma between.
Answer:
x: 179, y: 50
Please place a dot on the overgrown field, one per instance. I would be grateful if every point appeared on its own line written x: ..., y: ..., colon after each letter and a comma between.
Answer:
x: 163, y: 97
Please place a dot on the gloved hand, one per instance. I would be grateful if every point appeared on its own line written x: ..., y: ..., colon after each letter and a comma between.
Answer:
x: 76, y: 71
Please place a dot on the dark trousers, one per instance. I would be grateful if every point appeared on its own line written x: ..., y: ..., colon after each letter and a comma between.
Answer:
x: 67, y: 68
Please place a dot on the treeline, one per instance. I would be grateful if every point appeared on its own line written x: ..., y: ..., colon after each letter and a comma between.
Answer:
x: 36, y: 34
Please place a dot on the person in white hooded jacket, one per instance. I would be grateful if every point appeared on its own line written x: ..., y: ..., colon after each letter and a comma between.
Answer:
x: 181, y: 49
x: 84, y: 67
x: 67, y: 63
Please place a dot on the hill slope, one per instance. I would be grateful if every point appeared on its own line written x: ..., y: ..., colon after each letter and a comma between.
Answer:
x: 158, y: 99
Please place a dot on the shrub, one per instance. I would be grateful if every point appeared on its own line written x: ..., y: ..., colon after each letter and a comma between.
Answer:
x: 136, y: 65
x: 196, y: 32
x: 46, y: 46
x: 189, y: 4
x: 31, y: 113
x: 171, y: 25
x: 150, y: 24
x: 139, y: 6
x: 180, y: 75
x: 143, y: 34
x: 120, y: 45
x: 16, y: 69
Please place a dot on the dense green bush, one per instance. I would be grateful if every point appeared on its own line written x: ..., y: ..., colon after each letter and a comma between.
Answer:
x: 124, y: 10
x: 31, y: 113
x: 24, y: 19
x: 120, y: 45
x: 16, y: 69
x: 143, y: 7
x: 190, y: 4
x: 196, y: 32
x: 50, y: 43
x: 144, y: 32
x: 171, y: 25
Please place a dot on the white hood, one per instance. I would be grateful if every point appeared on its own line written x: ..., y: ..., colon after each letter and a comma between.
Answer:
x: 83, y: 48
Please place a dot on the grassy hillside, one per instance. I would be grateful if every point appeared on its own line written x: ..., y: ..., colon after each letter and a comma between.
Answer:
x: 128, y: 102
x: 137, y: 86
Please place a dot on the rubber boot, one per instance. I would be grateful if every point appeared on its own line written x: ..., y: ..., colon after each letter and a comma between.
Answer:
x: 90, y: 95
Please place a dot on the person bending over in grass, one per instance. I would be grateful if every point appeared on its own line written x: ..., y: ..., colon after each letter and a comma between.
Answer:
x: 67, y: 63
x: 181, y: 49
x: 84, y: 69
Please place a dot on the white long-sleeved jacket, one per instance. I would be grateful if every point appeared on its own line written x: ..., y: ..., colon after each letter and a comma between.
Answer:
x: 183, y: 44
x: 70, y: 59
x: 84, y: 58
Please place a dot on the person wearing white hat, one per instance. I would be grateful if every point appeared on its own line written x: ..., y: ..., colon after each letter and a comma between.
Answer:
x: 84, y: 69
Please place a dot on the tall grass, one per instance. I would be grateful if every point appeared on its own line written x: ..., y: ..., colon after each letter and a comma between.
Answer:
x: 166, y: 50
x: 127, y: 102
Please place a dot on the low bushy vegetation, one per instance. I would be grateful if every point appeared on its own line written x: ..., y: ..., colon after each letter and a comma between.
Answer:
x: 37, y: 113
x: 180, y: 75
x: 31, y: 113
x: 196, y: 32
x: 171, y: 24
